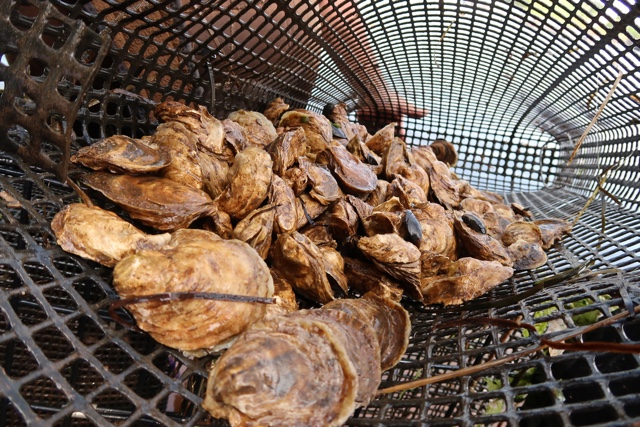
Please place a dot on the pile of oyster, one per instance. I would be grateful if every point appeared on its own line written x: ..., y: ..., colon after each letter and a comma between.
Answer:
x: 297, y: 206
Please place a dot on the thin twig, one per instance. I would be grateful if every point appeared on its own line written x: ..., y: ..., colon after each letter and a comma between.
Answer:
x: 593, y: 121
x: 85, y: 198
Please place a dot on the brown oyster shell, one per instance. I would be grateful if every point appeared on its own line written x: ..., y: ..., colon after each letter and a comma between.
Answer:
x: 181, y: 144
x: 445, y: 152
x: 258, y: 129
x: 307, y: 208
x: 364, y: 277
x: 249, y: 181
x: 480, y: 246
x: 552, y: 230
x: 354, y: 176
x: 465, y: 279
x: 256, y: 229
x: 317, y: 128
x: 235, y: 136
x: 380, y: 142
x: 526, y: 255
x: 521, y: 230
x: 334, y: 266
x: 157, y: 202
x: 274, y: 110
x: 297, y: 179
x: 409, y: 193
x: 286, y: 149
x: 300, y: 262
x: 221, y: 266
x: 396, y: 257
x: 283, y: 295
x: 99, y: 235
x: 437, y: 230
x: 324, y: 187
x: 215, y: 173
x: 284, y: 371
x: 282, y: 197
x: 390, y: 322
x: 120, y: 153
x: 440, y: 180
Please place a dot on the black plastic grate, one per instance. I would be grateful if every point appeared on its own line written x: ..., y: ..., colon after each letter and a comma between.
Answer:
x: 511, y: 83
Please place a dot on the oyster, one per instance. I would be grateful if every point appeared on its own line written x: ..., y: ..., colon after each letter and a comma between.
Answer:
x: 157, y: 202
x: 274, y: 110
x: 297, y: 179
x: 120, y: 153
x: 338, y: 116
x: 354, y: 176
x: 99, y: 235
x: 256, y: 229
x: 440, y: 180
x: 480, y: 246
x: 200, y: 265
x: 465, y: 279
x: 175, y: 139
x: 249, y: 181
x: 409, y: 193
x: 235, y: 135
x: 361, y: 344
x: 364, y: 277
x: 258, y: 129
x: 445, y: 152
x: 286, y: 149
x: 282, y: 197
x: 286, y: 370
x: 380, y: 142
x: 215, y: 173
x: 379, y: 195
x: 324, y: 187
x: 437, y: 230
x: 283, y: 295
x: 334, y: 266
x: 308, y: 209
x: 390, y: 322
x: 552, y: 230
x: 396, y: 257
x: 342, y: 218
x: 395, y: 158
x: 526, y: 255
x: 317, y: 128
x: 527, y: 231
x: 300, y: 262
x: 208, y: 129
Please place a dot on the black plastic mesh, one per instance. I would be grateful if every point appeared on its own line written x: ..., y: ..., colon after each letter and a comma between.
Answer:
x: 512, y: 84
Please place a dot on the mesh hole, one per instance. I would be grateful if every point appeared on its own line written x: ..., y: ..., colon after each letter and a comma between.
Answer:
x: 87, y: 331
x: 88, y: 289
x: 178, y: 406
x: 111, y: 399
x: 44, y: 396
x: 82, y: 376
x: 28, y: 309
x: 37, y: 272
x: 16, y: 359
x: 582, y: 392
x: 9, y: 415
x: 593, y: 415
x: 113, y: 358
x: 9, y: 279
x: 4, y: 322
x: 53, y: 343
x: 629, y: 384
x: 60, y: 300
x: 547, y: 420
x: 68, y: 266
x: 14, y: 239
x: 36, y: 69
x: 607, y: 363
x: 141, y: 342
x: 143, y: 383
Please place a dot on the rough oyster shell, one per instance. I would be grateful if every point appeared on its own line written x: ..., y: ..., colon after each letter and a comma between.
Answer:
x: 258, y: 129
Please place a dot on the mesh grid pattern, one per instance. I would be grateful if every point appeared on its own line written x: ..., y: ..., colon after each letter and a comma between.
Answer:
x: 511, y: 84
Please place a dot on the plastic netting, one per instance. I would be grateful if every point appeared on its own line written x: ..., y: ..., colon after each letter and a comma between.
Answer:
x: 512, y: 84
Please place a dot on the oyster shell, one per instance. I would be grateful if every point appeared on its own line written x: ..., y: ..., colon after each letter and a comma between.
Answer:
x: 364, y: 277
x: 157, y: 202
x: 379, y: 195
x: 274, y: 110
x: 208, y: 129
x: 480, y: 246
x: 256, y: 229
x: 258, y: 129
x: 396, y: 257
x: 445, y: 152
x: 441, y: 182
x: 249, y: 181
x: 120, y: 153
x: 175, y: 139
x: 215, y: 174
x: 409, y: 193
x: 324, y: 187
x: 380, y: 142
x: 527, y: 231
x: 286, y: 149
x: 437, y: 230
x: 235, y: 135
x: 283, y: 295
x: 354, y: 176
x: 300, y: 262
x: 282, y: 197
x: 390, y: 322
x: 204, y: 265
x: 286, y: 370
x: 99, y: 235
x: 317, y: 128
x: 297, y: 179
x: 526, y: 255
x: 338, y: 115
x: 334, y: 266
x: 308, y: 209
x: 465, y: 279
x: 552, y: 230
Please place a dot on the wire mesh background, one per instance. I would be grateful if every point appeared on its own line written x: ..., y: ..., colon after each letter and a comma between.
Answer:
x: 512, y: 84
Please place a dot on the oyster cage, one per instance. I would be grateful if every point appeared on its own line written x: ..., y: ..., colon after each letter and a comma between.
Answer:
x: 512, y: 84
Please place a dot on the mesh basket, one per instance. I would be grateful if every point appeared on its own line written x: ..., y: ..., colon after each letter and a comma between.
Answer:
x: 512, y: 84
